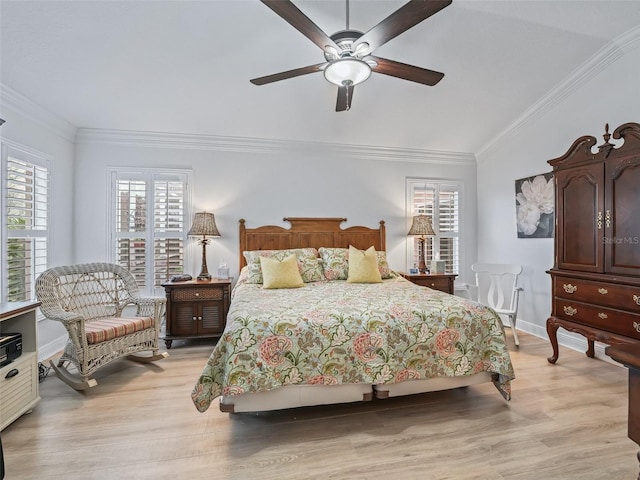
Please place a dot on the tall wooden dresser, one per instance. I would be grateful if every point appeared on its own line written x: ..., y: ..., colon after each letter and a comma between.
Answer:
x: 596, y: 272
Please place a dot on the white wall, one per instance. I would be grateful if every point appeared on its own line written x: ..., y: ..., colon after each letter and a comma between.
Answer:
x: 27, y: 125
x: 263, y: 182
x: 590, y: 100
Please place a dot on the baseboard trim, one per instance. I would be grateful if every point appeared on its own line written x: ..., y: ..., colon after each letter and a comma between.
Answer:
x: 52, y: 348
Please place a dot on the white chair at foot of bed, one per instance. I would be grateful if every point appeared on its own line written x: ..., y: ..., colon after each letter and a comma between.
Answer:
x: 496, y: 287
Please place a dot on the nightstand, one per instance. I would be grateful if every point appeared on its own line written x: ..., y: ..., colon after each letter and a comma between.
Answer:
x: 196, y: 308
x: 437, y: 281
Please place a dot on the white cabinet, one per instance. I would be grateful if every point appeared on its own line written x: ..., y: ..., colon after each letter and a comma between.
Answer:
x: 19, y: 379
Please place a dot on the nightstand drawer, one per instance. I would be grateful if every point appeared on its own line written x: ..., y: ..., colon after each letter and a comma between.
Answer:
x: 435, y: 283
x: 194, y: 294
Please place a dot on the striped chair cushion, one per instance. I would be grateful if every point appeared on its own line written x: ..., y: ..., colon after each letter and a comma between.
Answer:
x: 105, y: 329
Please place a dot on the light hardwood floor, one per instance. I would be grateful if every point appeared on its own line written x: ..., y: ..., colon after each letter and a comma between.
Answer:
x: 565, y: 421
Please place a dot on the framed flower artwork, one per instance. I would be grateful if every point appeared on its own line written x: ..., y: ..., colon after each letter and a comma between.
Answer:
x: 535, y: 206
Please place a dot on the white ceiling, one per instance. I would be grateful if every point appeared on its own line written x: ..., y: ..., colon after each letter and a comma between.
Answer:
x: 184, y: 66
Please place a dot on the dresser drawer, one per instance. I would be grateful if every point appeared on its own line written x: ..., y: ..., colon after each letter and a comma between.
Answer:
x: 191, y: 294
x: 609, y: 319
x: 18, y: 390
x: 621, y: 297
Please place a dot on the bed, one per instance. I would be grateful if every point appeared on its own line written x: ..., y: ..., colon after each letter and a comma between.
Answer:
x: 335, y: 340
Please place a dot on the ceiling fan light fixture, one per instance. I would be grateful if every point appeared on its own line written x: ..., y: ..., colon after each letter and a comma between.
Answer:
x: 347, y: 70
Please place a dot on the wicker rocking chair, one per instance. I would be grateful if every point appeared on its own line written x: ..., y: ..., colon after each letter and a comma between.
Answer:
x: 92, y: 301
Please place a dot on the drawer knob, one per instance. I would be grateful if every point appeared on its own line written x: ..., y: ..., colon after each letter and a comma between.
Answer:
x: 433, y: 284
x: 603, y: 291
x: 197, y: 294
x: 195, y: 319
x: 569, y: 288
x: 602, y: 315
x: 569, y: 310
x: 636, y: 298
x: 636, y: 325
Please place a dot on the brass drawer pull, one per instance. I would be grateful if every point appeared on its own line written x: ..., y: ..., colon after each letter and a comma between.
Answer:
x: 599, y: 220
x: 603, y: 291
x: 569, y: 288
x: 568, y: 310
x: 602, y: 315
x: 608, y: 219
x: 636, y: 298
x: 636, y: 325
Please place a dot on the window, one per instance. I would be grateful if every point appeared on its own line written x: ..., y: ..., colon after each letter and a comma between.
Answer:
x: 25, y: 182
x: 149, y: 220
x: 440, y: 200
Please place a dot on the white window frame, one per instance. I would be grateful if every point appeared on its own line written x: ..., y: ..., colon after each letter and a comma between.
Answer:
x: 149, y: 176
x: 41, y: 161
x: 432, y: 244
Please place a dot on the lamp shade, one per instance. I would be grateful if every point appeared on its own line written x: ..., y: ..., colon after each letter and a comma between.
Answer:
x: 204, y: 224
x: 348, y: 70
x: 421, y: 226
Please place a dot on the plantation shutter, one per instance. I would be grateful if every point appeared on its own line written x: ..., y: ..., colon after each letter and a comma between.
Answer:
x: 26, y: 214
x: 150, y: 241
x: 441, y: 201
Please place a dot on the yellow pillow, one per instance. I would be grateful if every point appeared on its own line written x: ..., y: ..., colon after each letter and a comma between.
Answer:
x: 280, y: 274
x: 363, y: 266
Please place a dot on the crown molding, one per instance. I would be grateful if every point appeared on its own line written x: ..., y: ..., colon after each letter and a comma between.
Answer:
x: 32, y: 111
x: 606, y: 56
x: 86, y: 136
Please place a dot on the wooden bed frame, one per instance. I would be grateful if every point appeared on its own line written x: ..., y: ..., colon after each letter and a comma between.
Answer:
x: 325, y: 232
x: 309, y: 232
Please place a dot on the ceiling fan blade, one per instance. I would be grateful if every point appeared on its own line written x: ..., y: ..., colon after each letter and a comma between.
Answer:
x: 404, y: 71
x: 400, y: 21
x: 298, y: 20
x: 345, y: 95
x: 288, y: 74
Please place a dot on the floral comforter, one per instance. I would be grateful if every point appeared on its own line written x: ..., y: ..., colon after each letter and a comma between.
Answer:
x: 334, y: 332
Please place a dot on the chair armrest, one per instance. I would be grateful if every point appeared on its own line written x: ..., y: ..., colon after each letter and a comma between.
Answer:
x: 149, y: 306
x: 60, y: 315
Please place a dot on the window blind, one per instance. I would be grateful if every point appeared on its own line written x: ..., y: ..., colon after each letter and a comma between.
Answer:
x: 441, y: 201
x: 149, y: 226
x: 26, y: 217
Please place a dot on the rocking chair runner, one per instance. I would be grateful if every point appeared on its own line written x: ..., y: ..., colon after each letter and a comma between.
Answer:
x: 92, y: 301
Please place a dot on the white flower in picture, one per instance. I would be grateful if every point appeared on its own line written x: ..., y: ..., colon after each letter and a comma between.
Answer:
x: 535, y: 205
x: 528, y: 215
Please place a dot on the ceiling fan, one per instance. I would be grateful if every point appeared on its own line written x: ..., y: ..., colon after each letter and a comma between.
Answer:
x: 347, y: 53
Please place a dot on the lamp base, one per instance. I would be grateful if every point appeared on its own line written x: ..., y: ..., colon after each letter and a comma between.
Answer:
x: 204, y: 276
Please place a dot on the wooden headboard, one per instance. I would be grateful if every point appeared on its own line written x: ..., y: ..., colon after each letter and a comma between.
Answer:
x: 309, y: 232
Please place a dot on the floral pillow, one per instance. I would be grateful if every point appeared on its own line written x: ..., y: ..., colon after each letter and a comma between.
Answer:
x: 307, y: 258
x: 335, y: 262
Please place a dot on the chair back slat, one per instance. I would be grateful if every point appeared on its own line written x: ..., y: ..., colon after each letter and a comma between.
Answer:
x: 94, y: 290
x: 496, y: 284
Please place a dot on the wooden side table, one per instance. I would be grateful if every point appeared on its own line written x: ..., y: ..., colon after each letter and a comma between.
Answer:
x: 19, y: 387
x: 437, y: 281
x: 196, y: 308
x: 629, y: 355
